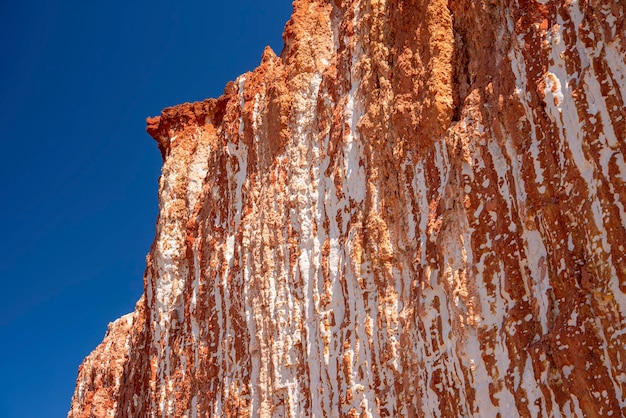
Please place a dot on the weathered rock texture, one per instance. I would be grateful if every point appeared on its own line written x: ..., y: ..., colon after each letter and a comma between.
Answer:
x: 418, y: 209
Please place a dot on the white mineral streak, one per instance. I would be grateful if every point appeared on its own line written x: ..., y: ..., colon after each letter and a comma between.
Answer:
x: 166, y: 276
x: 332, y: 241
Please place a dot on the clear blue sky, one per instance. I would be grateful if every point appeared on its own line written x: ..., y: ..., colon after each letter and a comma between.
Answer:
x: 79, y: 174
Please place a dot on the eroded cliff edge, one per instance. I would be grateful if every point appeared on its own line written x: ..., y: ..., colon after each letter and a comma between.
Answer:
x: 418, y: 209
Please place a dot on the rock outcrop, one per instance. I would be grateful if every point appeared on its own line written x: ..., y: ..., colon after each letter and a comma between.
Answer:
x: 418, y: 209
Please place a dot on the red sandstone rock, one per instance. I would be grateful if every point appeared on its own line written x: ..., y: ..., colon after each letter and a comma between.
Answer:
x: 418, y: 209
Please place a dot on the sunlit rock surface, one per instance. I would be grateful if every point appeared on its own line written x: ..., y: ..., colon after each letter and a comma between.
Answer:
x: 418, y: 209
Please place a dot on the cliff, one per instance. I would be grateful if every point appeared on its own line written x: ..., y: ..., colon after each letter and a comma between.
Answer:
x: 418, y: 209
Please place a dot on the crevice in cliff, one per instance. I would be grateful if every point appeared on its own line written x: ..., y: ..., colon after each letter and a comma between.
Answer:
x: 461, y: 77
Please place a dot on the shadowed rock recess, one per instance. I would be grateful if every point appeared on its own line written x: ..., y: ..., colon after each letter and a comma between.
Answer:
x: 417, y: 209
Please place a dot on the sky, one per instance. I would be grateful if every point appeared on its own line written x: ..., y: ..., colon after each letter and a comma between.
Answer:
x: 78, y: 196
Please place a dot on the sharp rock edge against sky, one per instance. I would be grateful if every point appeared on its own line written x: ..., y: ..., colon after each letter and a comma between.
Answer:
x: 79, y: 191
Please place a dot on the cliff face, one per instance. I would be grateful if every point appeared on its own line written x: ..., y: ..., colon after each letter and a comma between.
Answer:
x: 418, y: 209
